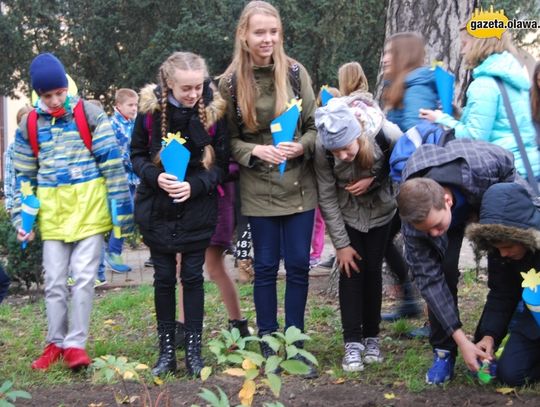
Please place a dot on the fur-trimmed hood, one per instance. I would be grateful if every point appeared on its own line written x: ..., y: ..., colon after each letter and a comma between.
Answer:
x: 507, y: 214
x: 150, y: 102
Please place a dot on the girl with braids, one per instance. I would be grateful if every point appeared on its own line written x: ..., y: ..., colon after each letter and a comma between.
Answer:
x: 174, y: 216
x: 257, y: 86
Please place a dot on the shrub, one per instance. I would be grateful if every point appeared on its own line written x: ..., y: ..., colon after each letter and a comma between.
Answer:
x: 24, y: 267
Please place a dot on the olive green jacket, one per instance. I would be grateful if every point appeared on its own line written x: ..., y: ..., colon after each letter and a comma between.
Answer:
x: 264, y: 192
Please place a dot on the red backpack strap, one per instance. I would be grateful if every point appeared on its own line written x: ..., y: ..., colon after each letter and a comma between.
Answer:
x: 31, y: 128
x: 82, y: 124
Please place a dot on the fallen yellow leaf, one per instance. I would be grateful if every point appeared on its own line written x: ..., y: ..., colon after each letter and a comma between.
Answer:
x: 158, y: 381
x: 109, y: 322
x: 505, y: 390
x: 340, y: 380
x: 236, y: 371
x: 389, y: 396
x: 141, y: 366
x: 128, y: 375
x: 205, y: 373
x: 246, y: 393
x: 248, y: 364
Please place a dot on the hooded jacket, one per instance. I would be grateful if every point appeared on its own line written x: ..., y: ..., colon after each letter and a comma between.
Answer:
x: 74, y: 184
x: 484, y: 116
x: 177, y: 227
x: 420, y: 93
x: 264, y: 192
x: 375, y: 207
x: 507, y: 215
x: 472, y: 167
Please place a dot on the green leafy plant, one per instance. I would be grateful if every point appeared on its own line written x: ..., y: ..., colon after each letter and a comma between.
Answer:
x: 8, y: 396
x: 24, y: 267
x: 113, y: 369
x: 253, y: 367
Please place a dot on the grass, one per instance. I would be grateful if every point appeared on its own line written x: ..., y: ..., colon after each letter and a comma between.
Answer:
x: 123, y: 323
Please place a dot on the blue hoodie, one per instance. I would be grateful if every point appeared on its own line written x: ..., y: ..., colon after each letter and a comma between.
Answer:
x: 420, y: 93
x: 484, y: 117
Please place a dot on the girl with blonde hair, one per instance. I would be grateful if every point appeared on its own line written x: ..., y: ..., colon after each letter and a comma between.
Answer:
x: 484, y: 115
x: 257, y: 85
x: 179, y: 216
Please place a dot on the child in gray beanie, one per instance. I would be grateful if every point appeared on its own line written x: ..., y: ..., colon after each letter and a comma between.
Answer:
x: 357, y: 203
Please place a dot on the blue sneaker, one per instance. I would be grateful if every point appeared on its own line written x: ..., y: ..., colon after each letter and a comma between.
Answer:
x: 442, y: 369
x: 115, y: 262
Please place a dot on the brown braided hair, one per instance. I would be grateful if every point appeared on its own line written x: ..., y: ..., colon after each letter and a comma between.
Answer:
x: 184, y: 61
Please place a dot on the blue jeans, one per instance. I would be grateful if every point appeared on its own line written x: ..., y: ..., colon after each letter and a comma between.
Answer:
x: 4, y: 284
x: 292, y: 233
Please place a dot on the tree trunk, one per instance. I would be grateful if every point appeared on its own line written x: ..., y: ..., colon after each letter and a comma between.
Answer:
x: 439, y: 22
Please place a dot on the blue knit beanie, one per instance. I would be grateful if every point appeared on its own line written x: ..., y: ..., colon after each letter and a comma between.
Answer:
x: 47, y: 73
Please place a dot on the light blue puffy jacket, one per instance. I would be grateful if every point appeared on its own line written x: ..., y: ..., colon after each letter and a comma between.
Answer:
x: 484, y: 116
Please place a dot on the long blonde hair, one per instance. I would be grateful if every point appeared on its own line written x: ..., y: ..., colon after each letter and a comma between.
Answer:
x: 481, y: 48
x: 184, y: 61
x: 242, y: 65
x: 366, y: 153
x: 408, y: 53
x: 351, y: 78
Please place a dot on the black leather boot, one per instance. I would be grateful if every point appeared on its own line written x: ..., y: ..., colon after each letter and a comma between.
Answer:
x: 312, y: 373
x: 179, y: 335
x: 166, y: 362
x: 267, y: 351
x: 194, y: 361
x: 241, y: 325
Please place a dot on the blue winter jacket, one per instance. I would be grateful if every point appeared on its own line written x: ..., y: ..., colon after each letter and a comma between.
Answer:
x: 484, y: 116
x: 420, y: 93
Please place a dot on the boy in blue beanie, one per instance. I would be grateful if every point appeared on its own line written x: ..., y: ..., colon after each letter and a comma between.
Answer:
x: 74, y: 184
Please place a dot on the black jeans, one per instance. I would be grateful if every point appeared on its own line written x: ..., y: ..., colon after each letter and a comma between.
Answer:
x: 4, y: 284
x: 450, y: 267
x: 360, y: 295
x: 394, y: 255
x: 191, y: 276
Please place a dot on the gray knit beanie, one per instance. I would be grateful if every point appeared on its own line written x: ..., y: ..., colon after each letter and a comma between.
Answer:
x: 336, y: 124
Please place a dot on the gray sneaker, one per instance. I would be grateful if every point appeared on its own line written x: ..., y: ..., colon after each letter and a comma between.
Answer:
x: 372, y: 354
x: 352, y: 361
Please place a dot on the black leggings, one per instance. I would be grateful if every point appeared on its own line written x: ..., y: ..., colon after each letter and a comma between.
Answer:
x: 191, y: 276
x: 360, y: 295
x: 394, y: 255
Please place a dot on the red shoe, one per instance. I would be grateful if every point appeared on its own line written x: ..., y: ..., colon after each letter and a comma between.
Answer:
x: 76, y: 358
x: 50, y: 354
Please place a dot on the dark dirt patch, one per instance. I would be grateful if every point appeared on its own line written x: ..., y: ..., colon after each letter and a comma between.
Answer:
x: 295, y: 393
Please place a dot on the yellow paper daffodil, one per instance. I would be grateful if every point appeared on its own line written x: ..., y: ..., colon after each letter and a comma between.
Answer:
x: 295, y: 102
x: 26, y: 189
x: 170, y: 137
x: 531, y: 279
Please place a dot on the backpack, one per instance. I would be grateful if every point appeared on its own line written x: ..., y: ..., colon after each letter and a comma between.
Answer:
x: 423, y: 133
x: 80, y: 121
x: 294, y: 80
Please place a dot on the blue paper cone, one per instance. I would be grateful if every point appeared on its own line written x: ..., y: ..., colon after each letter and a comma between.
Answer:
x: 283, y: 128
x: 532, y: 300
x: 29, y: 211
x: 444, y: 81
x: 325, y: 96
x: 175, y: 159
